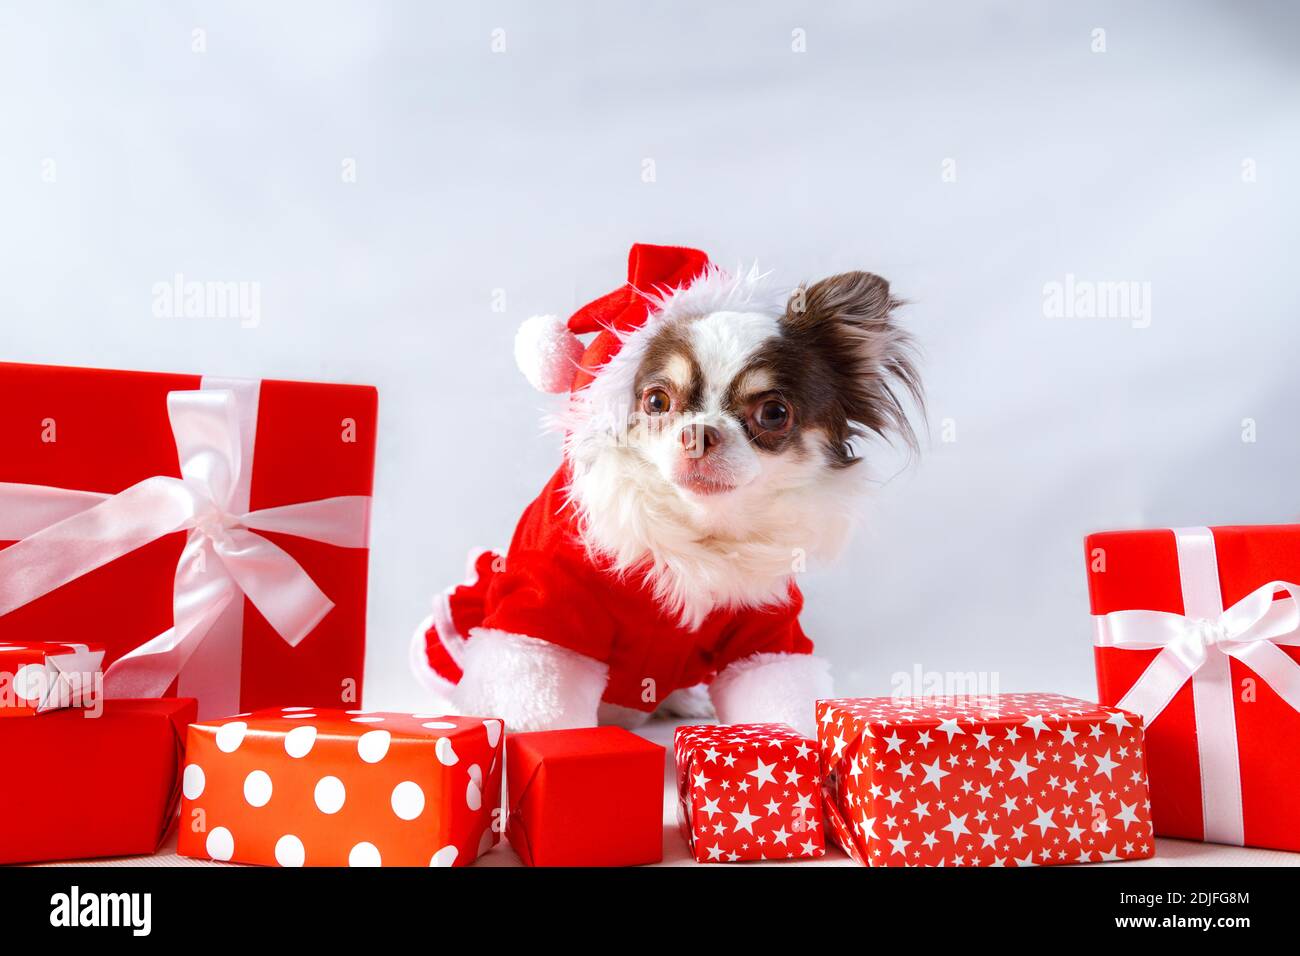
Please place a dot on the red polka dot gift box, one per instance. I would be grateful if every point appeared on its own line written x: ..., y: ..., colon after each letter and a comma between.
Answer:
x: 298, y: 786
x: 588, y: 797
x: 40, y: 677
x: 999, y: 780
x: 83, y: 783
x: 749, y: 792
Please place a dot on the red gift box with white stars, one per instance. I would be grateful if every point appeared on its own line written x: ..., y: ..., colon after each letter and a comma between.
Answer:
x: 1000, y: 780
x: 749, y: 792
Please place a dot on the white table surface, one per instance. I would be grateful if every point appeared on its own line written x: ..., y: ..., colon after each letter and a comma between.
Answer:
x: 1168, y: 852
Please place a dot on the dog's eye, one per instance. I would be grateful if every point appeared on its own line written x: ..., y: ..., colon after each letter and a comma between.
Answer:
x: 772, y: 416
x: 656, y: 401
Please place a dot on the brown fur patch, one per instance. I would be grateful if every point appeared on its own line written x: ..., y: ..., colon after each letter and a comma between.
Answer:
x: 839, y: 363
x: 666, y: 355
x: 849, y: 361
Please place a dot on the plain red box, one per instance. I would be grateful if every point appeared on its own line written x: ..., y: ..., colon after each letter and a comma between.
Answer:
x: 591, y: 797
x: 79, y: 786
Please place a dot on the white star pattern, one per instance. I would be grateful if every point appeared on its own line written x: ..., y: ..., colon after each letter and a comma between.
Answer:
x: 996, y: 809
x: 759, y: 799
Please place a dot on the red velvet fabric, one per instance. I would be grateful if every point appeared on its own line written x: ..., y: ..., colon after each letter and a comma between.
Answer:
x: 650, y: 269
x: 548, y: 587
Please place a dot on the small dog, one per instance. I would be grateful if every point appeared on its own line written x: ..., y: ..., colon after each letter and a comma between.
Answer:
x: 709, y: 452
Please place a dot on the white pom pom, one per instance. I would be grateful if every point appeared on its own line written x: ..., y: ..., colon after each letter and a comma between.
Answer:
x: 547, y: 353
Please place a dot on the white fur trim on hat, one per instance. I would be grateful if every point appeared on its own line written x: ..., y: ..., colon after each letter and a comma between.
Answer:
x: 547, y: 353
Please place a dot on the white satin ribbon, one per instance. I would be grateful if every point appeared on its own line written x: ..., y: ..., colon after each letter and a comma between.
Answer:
x: 62, y: 534
x: 1197, y: 646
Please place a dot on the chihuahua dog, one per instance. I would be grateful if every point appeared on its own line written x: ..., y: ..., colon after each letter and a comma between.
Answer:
x: 711, y: 450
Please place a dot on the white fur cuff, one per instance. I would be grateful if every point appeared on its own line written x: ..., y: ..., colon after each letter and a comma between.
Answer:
x: 529, y: 683
x: 772, y: 688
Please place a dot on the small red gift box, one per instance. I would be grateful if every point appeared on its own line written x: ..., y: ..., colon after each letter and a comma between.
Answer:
x: 1001, y: 780
x: 39, y: 677
x: 748, y: 792
x: 590, y: 797
x: 1198, y: 630
x: 80, y: 786
x: 296, y: 786
x: 211, y: 533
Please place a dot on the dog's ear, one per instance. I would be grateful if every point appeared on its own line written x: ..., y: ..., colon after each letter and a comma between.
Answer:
x: 848, y: 319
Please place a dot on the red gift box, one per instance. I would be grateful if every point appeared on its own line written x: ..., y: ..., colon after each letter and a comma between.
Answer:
x: 39, y: 677
x: 210, y: 533
x: 748, y: 792
x: 1196, y: 629
x: 82, y: 786
x: 1001, y: 780
x: 590, y: 797
x: 297, y: 786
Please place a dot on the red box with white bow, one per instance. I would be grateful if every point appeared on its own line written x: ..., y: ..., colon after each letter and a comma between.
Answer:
x: 84, y: 784
x: 748, y: 792
x: 592, y: 796
x: 999, y: 780
x: 210, y: 533
x: 40, y: 677
x: 1198, y: 630
x: 298, y: 786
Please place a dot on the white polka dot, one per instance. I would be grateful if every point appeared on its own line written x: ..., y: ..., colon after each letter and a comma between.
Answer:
x: 367, y: 720
x: 330, y: 794
x: 257, y: 788
x: 230, y: 736
x: 373, y: 745
x: 364, y: 854
x: 474, y: 789
x: 220, y: 844
x: 31, y: 682
x: 446, y: 753
x: 493, y: 731
x: 299, y: 741
x: 444, y: 857
x: 408, y: 800
x: 439, y: 725
x: 193, y: 782
x: 289, y: 851
x: 298, y: 716
x: 428, y: 716
x: 290, y: 710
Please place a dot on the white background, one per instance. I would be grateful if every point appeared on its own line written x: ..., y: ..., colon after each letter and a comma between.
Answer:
x: 522, y: 171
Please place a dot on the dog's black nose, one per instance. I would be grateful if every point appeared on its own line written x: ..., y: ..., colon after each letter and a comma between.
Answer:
x: 699, y: 440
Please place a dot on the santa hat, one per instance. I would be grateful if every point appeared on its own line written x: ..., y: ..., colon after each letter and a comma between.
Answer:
x: 548, y: 349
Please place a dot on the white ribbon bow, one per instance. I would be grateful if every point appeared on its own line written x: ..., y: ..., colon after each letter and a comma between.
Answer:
x: 1249, y: 631
x: 62, y: 534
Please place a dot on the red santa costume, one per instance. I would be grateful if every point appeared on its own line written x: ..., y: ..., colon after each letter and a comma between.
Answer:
x: 551, y: 587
